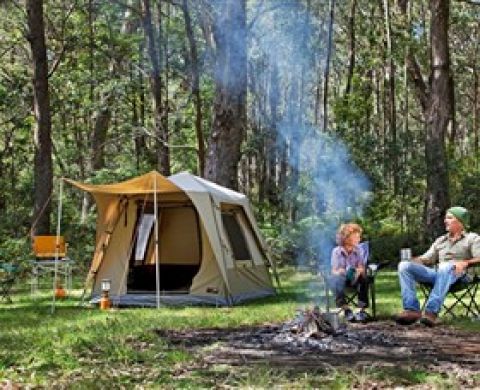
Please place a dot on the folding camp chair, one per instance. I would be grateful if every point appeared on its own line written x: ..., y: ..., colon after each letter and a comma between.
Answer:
x: 464, y: 294
x: 351, y: 294
x: 50, y: 255
x: 8, y: 275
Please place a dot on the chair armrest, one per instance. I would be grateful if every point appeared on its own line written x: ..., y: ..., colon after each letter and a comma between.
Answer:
x: 374, y: 268
x: 474, y: 270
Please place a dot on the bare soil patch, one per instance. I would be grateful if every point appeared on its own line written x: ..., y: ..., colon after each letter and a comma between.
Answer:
x: 443, y: 349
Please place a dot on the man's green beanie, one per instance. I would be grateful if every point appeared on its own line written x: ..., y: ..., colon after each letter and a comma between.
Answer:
x: 461, y: 213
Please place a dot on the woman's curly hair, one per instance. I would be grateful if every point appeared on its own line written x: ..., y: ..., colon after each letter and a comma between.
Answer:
x: 346, y: 230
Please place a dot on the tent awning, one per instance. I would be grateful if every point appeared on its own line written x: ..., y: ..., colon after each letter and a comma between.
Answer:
x: 144, y: 184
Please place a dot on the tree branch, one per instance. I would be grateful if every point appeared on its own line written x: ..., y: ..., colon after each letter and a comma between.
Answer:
x: 413, y: 67
x: 415, y: 74
x: 57, y: 61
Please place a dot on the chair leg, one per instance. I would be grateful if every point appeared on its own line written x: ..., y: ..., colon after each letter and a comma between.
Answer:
x: 449, y: 309
x: 425, y: 291
x: 468, y: 308
x: 373, y: 299
x: 350, y: 299
x: 469, y: 293
x: 473, y: 308
x: 474, y: 301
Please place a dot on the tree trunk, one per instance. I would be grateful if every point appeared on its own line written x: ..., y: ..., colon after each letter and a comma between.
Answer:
x: 195, y: 88
x: 91, y: 65
x: 282, y: 174
x: 327, y: 65
x: 229, y: 116
x: 316, y: 108
x: 141, y: 143
x: 436, y: 103
x: 392, y: 106
x: 271, y: 149
x: 163, y: 37
x: 161, y: 134
x: 476, y: 110
x: 438, y: 117
x: 294, y: 144
x: 351, y: 46
x: 407, y: 145
x: 100, y: 128
x: 43, y: 173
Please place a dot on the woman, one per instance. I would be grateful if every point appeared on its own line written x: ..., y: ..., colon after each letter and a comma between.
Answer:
x: 348, y: 270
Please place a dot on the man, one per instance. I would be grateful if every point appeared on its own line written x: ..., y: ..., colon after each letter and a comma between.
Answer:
x: 454, y: 252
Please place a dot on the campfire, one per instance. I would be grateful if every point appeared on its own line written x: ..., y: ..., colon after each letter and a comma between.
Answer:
x: 314, y: 323
x: 314, y: 330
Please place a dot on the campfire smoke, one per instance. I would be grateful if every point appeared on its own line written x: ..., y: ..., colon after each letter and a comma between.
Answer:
x: 325, y: 187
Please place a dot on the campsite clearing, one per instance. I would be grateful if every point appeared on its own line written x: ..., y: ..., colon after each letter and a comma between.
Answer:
x: 192, y: 346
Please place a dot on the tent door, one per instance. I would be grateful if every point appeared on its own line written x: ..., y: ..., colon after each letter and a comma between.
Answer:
x: 179, y: 249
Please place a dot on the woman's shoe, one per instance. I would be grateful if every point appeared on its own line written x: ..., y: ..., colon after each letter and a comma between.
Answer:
x: 348, y: 315
x: 362, y: 316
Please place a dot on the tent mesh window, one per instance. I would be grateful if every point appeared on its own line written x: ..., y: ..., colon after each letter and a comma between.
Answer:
x: 238, y: 243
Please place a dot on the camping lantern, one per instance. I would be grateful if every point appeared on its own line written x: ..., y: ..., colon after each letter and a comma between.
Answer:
x: 105, y: 302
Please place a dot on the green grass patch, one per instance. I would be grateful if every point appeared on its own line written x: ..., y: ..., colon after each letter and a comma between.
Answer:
x: 82, y: 347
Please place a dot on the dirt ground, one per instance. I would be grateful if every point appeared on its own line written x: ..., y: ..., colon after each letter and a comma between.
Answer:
x: 442, y: 350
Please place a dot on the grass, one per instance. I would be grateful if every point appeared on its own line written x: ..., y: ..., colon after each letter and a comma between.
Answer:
x: 82, y: 347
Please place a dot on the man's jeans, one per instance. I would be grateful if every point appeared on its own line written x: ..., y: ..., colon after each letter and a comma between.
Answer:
x: 442, y: 278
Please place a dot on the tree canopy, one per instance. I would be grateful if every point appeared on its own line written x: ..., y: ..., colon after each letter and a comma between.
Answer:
x: 321, y: 111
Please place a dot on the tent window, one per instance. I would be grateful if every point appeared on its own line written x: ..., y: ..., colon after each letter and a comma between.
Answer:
x: 144, y: 231
x: 238, y: 243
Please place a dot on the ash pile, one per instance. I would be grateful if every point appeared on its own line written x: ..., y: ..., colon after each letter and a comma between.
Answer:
x: 313, y: 330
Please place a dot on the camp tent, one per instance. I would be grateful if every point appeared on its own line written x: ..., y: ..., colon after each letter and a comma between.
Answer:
x: 209, y: 247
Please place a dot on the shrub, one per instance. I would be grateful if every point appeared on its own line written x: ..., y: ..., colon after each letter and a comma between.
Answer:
x: 386, y: 248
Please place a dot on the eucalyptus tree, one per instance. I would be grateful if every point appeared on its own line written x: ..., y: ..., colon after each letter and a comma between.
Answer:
x: 159, y: 108
x: 43, y: 174
x: 436, y: 101
x: 229, y: 112
x: 195, y: 76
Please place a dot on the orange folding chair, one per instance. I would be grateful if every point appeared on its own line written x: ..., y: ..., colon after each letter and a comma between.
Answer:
x: 50, y: 255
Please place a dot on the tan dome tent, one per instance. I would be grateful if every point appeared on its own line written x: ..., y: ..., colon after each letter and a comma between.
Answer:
x: 209, y: 247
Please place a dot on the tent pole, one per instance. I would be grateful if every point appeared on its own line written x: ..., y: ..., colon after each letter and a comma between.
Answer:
x: 157, y: 265
x: 57, y: 243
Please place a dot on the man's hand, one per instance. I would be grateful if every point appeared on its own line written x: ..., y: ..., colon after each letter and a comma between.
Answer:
x: 417, y: 260
x: 460, y: 267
